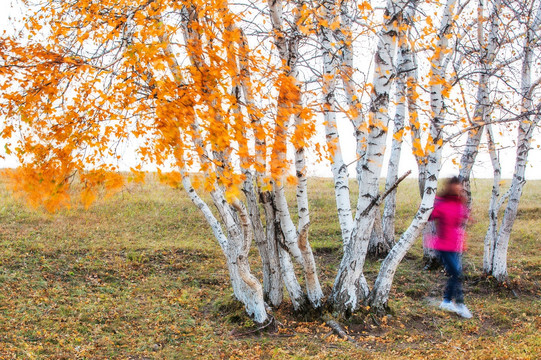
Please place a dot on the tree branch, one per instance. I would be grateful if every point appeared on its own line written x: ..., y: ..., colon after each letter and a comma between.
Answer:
x: 379, y: 199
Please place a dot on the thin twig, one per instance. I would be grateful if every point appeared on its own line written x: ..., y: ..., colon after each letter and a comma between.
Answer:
x: 379, y: 198
x: 394, y: 186
x: 354, y: 161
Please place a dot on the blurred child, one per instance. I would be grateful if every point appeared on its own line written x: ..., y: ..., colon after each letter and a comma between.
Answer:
x: 450, y: 215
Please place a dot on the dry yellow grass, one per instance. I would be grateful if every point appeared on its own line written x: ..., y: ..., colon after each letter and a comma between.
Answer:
x: 140, y: 276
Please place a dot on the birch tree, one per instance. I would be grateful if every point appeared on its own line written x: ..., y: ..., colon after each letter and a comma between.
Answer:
x: 349, y: 289
x: 223, y: 103
x: 489, y: 47
x: 330, y: 68
x: 296, y: 239
x: 498, y: 245
x: 405, y: 65
x: 380, y: 294
x: 487, y: 52
x: 416, y: 132
x: 119, y: 73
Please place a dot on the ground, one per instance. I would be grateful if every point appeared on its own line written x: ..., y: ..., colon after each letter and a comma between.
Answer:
x: 139, y: 276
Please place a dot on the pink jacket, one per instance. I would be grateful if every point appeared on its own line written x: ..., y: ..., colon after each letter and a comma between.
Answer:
x: 450, y: 214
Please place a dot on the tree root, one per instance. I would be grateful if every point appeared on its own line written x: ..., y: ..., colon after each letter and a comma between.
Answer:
x: 270, y: 326
x: 338, y: 330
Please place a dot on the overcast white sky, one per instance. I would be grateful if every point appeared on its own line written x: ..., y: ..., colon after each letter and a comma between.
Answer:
x: 482, y: 169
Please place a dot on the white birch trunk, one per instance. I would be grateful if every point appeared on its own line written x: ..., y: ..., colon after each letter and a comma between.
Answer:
x: 297, y: 245
x: 344, y: 38
x: 525, y: 132
x: 276, y: 245
x: 338, y: 167
x: 405, y: 65
x: 499, y: 262
x: 389, y: 209
x: 348, y: 291
x: 266, y: 240
x: 288, y: 272
x: 382, y: 287
x: 413, y: 117
x: 474, y: 139
x: 378, y: 247
x: 287, y: 226
x: 245, y: 286
x: 429, y: 255
x: 295, y: 240
x: 266, y: 244
x: 236, y: 244
x: 313, y: 287
x: 250, y: 291
x: 493, y: 209
x: 488, y: 53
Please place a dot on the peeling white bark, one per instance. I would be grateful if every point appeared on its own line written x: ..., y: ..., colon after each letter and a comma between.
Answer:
x: 266, y: 239
x: 235, y: 217
x: 429, y: 255
x: 313, y: 287
x: 266, y: 244
x: 413, y: 117
x: 245, y: 286
x: 207, y: 213
x: 499, y: 262
x: 298, y: 246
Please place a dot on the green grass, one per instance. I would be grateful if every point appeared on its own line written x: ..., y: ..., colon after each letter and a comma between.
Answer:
x: 140, y: 276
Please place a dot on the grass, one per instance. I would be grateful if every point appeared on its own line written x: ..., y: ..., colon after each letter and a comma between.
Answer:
x: 139, y: 276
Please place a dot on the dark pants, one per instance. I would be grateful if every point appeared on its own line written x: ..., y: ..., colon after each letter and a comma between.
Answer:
x: 452, y: 261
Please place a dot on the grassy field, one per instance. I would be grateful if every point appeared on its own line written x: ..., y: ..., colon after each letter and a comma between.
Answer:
x: 139, y: 276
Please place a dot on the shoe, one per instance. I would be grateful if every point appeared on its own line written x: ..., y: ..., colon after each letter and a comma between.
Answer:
x: 463, y: 311
x: 448, y: 306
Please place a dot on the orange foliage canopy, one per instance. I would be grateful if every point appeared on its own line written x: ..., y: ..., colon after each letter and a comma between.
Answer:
x: 174, y: 79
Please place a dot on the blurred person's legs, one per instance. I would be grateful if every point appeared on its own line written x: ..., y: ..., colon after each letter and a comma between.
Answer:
x: 452, y: 261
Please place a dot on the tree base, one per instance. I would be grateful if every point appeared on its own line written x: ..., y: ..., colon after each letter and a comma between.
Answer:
x: 379, y: 250
x: 431, y: 263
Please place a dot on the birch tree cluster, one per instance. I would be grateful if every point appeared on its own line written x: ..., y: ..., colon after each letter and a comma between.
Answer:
x: 227, y: 100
